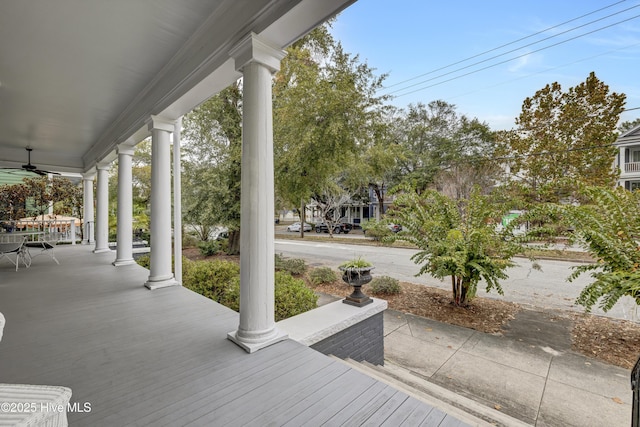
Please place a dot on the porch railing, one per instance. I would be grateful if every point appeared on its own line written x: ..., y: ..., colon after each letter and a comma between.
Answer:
x: 66, y: 229
x: 632, y: 167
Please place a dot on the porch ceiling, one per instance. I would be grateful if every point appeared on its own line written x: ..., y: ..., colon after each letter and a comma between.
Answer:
x: 77, y: 78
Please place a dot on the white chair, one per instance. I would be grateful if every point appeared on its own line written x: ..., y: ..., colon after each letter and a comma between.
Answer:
x: 46, y: 243
x: 18, y: 249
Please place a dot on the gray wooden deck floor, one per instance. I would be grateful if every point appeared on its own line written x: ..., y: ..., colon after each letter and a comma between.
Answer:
x: 141, y: 357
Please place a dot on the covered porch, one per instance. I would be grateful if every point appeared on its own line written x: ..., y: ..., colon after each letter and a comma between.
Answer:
x: 135, y: 357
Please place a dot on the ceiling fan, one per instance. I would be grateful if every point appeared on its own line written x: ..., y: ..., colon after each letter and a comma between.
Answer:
x: 33, y: 168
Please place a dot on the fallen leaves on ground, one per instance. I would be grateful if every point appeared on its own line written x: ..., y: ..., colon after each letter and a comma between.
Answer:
x: 612, y: 341
x: 483, y: 314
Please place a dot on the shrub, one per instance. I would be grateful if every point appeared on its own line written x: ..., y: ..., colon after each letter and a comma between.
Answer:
x: 220, y: 281
x: 224, y: 245
x: 189, y: 241
x: 231, y: 296
x: 317, y: 276
x: 377, y: 230
x: 385, y: 285
x: 292, y: 296
x: 355, y: 263
x: 279, y: 260
x: 213, y: 279
x: 295, y: 266
x: 209, y: 247
x: 145, y: 261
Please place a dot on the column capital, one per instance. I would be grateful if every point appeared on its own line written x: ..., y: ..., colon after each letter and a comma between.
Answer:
x: 253, y: 49
x: 160, y: 123
x: 125, y: 149
x: 103, y: 166
x: 89, y: 176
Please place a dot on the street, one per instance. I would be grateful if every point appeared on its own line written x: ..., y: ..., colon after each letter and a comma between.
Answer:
x: 546, y: 289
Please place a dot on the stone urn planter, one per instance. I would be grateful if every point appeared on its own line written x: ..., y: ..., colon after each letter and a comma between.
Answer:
x: 357, y: 273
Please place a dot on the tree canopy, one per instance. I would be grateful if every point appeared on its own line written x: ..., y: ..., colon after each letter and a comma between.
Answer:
x: 34, y: 195
x: 325, y: 105
x: 211, y: 162
x: 565, y: 134
x: 436, y: 138
x: 607, y: 225
x: 457, y: 238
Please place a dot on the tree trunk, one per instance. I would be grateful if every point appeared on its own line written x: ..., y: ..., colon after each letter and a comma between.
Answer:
x: 303, y: 211
x: 234, y: 242
x: 459, y: 288
x: 380, y: 196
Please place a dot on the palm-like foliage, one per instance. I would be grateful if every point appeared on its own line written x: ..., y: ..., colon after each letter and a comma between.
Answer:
x: 608, y: 226
x: 458, y: 239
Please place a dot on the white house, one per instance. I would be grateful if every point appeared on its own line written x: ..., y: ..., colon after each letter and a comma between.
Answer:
x: 628, y: 159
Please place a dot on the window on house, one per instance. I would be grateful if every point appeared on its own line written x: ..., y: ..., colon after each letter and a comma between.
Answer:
x: 635, y: 185
x: 635, y: 156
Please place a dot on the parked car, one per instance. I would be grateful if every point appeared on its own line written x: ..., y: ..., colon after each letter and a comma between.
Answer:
x: 395, y: 227
x: 343, y: 227
x: 296, y: 227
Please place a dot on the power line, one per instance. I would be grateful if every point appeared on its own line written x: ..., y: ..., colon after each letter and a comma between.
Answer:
x: 505, y: 45
x: 502, y: 62
x: 545, y: 71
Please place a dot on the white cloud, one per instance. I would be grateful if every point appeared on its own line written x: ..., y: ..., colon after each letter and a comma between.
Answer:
x: 521, y: 62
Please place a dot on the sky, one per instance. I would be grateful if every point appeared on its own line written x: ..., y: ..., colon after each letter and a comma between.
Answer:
x: 458, y: 49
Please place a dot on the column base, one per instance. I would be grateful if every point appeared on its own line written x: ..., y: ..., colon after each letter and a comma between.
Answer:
x: 99, y: 251
x: 121, y: 262
x: 253, y: 345
x: 157, y: 284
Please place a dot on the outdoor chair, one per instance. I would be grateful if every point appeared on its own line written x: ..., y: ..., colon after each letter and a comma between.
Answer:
x: 33, y: 405
x: 46, y: 243
x: 18, y: 249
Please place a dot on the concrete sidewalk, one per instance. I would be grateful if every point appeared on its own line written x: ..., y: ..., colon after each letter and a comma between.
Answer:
x: 528, y: 373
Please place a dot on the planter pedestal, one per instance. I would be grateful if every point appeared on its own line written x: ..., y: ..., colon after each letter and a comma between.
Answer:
x: 357, y: 277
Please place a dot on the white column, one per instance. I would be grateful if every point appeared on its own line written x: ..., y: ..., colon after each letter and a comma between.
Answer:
x: 102, y: 210
x: 160, y: 275
x: 87, y: 184
x: 621, y: 165
x: 124, y: 231
x: 257, y: 329
x: 177, y: 204
x: 73, y: 232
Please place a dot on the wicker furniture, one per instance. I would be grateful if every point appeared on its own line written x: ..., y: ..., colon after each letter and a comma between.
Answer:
x: 34, y: 405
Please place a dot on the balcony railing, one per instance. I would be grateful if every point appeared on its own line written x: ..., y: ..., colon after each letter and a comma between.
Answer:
x: 632, y: 167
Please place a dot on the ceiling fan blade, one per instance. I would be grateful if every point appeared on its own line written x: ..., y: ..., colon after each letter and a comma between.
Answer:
x: 41, y: 172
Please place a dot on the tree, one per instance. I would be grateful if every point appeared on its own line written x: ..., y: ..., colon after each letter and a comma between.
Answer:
x: 436, y: 138
x: 458, y: 238
x: 608, y: 227
x: 324, y: 106
x: 212, y: 161
x: 628, y: 125
x: 564, y: 135
x: 376, y: 168
x: 13, y: 200
x: 34, y: 196
x: 329, y: 202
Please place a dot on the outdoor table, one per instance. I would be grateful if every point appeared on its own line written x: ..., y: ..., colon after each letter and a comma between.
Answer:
x: 17, y: 236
